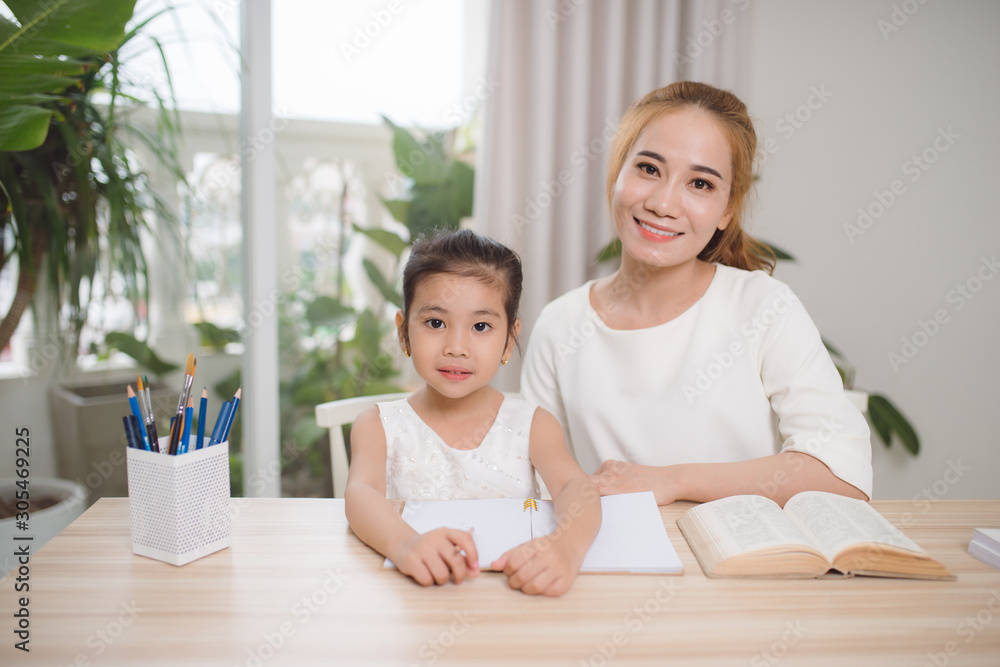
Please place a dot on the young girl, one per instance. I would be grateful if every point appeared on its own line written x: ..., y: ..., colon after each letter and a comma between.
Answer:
x: 457, y: 437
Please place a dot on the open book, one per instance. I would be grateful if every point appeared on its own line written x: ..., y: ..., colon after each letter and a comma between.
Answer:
x: 632, y: 537
x: 817, y: 533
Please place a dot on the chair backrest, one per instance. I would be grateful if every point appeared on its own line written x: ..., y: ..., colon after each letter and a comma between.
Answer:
x: 334, y: 415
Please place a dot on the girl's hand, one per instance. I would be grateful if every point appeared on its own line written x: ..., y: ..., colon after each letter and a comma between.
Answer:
x: 615, y: 477
x: 437, y: 556
x: 539, y: 567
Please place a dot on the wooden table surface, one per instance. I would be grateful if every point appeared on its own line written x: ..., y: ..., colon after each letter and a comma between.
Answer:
x: 298, y: 588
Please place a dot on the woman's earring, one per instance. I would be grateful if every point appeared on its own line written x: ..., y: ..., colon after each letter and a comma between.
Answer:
x: 406, y: 351
x: 503, y: 362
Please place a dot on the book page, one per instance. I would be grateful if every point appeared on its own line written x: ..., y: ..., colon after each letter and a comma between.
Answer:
x: 837, y: 522
x: 632, y: 537
x: 739, y: 524
x: 499, y: 523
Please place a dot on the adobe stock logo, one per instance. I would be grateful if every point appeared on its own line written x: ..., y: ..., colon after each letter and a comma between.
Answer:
x: 363, y: 35
x: 899, y: 17
x: 915, y: 167
x: 958, y: 297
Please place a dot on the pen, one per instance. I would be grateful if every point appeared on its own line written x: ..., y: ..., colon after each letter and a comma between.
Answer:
x: 138, y: 415
x: 202, y: 409
x: 232, y: 414
x: 188, y: 418
x: 131, y: 432
x: 220, y: 423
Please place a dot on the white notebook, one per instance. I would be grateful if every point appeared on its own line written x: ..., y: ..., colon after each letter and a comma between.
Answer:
x: 985, y: 545
x: 632, y: 536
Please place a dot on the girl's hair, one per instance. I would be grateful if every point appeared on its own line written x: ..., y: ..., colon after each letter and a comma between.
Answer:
x: 731, y: 246
x: 465, y: 253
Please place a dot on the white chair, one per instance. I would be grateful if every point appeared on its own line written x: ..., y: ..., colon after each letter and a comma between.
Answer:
x: 334, y: 415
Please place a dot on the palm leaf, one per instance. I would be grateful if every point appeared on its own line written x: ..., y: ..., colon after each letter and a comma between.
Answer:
x: 327, y: 311
x: 611, y: 251
x: 888, y: 420
x: 140, y: 351
x: 391, y: 242
x: 778, y: 252
x: 387, y: 291
x: 43, y: 54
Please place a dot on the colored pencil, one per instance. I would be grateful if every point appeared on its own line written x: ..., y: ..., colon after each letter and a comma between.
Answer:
x: 138, y: 415
x: 220, y: 424
x: 202, y: 413
x: 232, y: 414
x: 188, y: 418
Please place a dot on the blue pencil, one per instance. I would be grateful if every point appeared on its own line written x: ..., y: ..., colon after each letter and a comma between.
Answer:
x: 186, y: 435
x: 138, y: 415
x: 220, y: 423
x: 232, y: 414
x: 202, y: 410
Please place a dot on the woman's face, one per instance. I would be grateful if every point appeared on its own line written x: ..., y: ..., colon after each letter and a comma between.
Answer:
x: 672, y: 192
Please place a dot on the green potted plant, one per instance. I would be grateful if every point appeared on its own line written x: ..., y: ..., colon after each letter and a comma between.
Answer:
x: 74, y: 203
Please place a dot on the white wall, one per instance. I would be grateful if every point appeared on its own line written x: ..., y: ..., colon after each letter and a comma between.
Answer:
x: 887, y: 96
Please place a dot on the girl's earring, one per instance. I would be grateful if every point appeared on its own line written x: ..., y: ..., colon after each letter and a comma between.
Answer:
x: 503, y: 362
x: 406, y: 351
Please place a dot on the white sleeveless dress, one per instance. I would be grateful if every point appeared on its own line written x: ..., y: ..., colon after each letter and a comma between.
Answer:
x: 420, y: 465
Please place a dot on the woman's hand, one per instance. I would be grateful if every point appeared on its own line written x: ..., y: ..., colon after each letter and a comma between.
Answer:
x: 542, y: 566
x: 437, y: 556
x: 615, y: 477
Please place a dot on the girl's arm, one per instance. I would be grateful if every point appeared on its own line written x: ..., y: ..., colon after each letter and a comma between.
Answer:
x: 430, y: 558
x: 778, y: 477
x: 548, y: 565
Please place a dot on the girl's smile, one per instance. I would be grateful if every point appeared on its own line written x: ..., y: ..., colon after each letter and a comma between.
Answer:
x: 455, y: 373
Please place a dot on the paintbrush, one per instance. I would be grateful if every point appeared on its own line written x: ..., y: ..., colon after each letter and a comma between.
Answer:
x: 175, y: 428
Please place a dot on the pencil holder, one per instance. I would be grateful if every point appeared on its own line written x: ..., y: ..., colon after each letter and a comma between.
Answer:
x: 179, y: 505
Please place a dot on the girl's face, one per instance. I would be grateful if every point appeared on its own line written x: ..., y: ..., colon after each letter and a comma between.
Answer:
x: 457, y: 330
x: 672, y: 192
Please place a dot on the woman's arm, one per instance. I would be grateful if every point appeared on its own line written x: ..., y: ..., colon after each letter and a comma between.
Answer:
x: 548, y: 565
x: 778, y: 477
x: 826, y: 443
x: 430, y: 558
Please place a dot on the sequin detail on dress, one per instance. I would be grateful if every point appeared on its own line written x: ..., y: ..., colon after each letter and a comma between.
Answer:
x: 420, y: 465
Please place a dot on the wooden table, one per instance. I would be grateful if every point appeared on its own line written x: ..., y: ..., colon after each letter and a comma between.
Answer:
x: 297, y: 588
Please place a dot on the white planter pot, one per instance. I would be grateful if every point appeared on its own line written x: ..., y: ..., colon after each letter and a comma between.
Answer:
x: 43, y: 524
x: 88, y: 433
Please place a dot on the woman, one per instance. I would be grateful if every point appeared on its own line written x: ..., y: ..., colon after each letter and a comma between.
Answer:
x: 690, y: 371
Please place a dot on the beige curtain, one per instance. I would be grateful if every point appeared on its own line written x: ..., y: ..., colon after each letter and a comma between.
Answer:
x: 561, y: 73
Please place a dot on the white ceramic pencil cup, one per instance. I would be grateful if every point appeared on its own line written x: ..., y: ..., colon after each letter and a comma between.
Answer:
x: 179, y: 505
